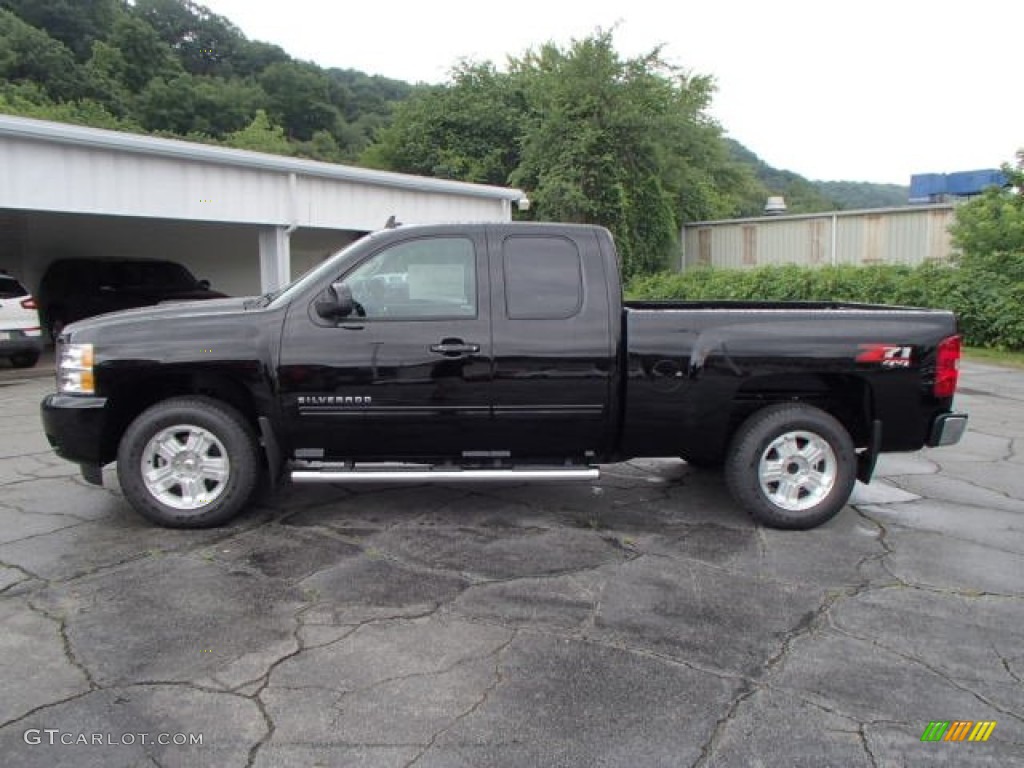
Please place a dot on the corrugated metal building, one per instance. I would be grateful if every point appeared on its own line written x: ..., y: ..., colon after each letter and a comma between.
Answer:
x: 910, y: 235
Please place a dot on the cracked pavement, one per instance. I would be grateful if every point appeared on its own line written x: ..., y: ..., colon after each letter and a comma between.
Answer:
x: 639, y: 621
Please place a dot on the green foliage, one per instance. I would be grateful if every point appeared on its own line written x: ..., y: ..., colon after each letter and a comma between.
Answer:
x: 592, y: 137
x: 28, y: 100
x: 597, y: 142
x: 29, y: 55
x: 468, y: 130
x: 261, y: 135
x: 204, y: 42
x: 990, y: 308
x: 75, y: 23
x: 322, y: 147
x: 195, y: 104
x: 172, y: 67
x: 991, y: 225
x: 131, y: 56
x: 298, y: 98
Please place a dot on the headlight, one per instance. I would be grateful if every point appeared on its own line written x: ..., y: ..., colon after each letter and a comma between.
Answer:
x: 74, y: 369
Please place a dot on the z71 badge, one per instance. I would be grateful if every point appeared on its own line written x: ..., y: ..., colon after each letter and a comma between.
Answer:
x: 886, y: 355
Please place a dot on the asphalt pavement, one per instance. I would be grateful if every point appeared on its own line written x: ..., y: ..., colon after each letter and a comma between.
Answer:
x: 642, y: 620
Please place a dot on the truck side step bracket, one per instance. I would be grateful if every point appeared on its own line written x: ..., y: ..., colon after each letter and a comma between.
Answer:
x: 341, y: 473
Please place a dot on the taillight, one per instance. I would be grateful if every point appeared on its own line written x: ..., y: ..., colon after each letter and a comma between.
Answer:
x: 29, y: 303
x: 947, y: 367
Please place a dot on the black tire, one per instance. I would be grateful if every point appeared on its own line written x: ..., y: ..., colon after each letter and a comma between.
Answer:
x: 25, y: 359
x: 791, y: 502
x: 230, y: 447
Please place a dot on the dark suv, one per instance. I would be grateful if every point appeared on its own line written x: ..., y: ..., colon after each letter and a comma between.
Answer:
x: 73, y: 289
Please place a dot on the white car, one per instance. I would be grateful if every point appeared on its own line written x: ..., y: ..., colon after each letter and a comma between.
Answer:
x: 21, y: 337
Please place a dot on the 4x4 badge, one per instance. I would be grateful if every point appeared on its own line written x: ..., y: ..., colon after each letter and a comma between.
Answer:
x: 886, y: 355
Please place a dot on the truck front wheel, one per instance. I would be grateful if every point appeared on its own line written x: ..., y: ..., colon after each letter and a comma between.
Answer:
x: 188, y: 462
x: 791, y: 466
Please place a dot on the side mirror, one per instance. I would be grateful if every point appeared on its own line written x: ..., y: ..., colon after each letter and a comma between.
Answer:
x: 339, y: 302
x: 204, y: 284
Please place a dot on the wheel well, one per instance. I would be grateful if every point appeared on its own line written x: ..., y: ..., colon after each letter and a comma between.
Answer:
x: 847, y: 398
x: 132, y: 399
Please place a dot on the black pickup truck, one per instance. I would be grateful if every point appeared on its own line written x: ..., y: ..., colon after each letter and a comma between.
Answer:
x: 494, y: 352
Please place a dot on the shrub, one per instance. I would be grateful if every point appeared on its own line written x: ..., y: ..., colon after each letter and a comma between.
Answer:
x: 989, y: 303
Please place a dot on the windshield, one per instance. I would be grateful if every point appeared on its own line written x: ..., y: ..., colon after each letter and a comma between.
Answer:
x: 283, y: 295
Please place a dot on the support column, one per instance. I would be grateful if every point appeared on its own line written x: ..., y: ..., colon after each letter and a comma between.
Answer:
x: 275, y: 258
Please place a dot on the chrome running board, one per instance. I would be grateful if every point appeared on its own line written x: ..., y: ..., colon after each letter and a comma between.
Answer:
x: 335, y: 473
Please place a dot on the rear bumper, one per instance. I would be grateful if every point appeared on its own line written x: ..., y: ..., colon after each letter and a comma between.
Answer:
x: 18, y: 341
x: 947, y: 429
x: 75, y: 426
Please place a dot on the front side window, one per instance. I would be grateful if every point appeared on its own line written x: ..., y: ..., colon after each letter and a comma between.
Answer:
x: 419, y: 279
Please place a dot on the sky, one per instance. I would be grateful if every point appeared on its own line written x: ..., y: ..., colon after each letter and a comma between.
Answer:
x: 859, y: 90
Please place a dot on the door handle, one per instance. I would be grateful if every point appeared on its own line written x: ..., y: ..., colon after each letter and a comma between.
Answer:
x: 454, y: 348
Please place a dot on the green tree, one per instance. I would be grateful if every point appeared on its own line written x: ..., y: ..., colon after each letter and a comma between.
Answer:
x: 205, y: 43
x: 468, y: 130
x: 28, y: 54
x: 28, y: 100
x: 592, y: 136
x: 132, y: 55
x: 253, y: 56
x: 991, y: 226
x: 298, y: 99
x: 75, y: 23
x: 323, y: 146
x: 261, y: 135
x: 193, y: 104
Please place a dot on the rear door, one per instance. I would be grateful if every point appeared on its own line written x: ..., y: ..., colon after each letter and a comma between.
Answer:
x: 553, y: 341
x: 410, y: 376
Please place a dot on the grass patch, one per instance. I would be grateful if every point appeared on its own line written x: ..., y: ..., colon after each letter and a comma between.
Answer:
x: 996, y: 356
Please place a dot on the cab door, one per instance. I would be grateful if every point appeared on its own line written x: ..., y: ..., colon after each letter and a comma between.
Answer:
x: 554, y: 347
x: 408, y: 373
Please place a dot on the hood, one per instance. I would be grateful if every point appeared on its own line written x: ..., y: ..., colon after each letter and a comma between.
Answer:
x: 168, y: 312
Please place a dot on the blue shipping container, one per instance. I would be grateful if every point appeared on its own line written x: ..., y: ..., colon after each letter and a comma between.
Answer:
x: 973, y: 182
x: 925, y: 186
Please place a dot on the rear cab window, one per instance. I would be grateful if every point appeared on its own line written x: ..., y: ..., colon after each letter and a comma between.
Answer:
x: 543, y: 277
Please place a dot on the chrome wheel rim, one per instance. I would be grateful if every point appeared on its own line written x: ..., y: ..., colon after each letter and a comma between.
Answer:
x: 797, y: 471
x: 185, y: 467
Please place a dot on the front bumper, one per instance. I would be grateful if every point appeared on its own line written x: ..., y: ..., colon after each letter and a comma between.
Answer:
x: 76, y: 426
x: 947, y: 429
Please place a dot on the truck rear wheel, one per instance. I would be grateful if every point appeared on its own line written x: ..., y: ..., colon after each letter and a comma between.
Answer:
x: 188, y: 462
x: 791, y: 466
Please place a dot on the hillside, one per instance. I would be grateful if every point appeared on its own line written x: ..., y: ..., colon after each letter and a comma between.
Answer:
x: 172, y: 67
x: 863, y: 194
x: 806, y: 196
